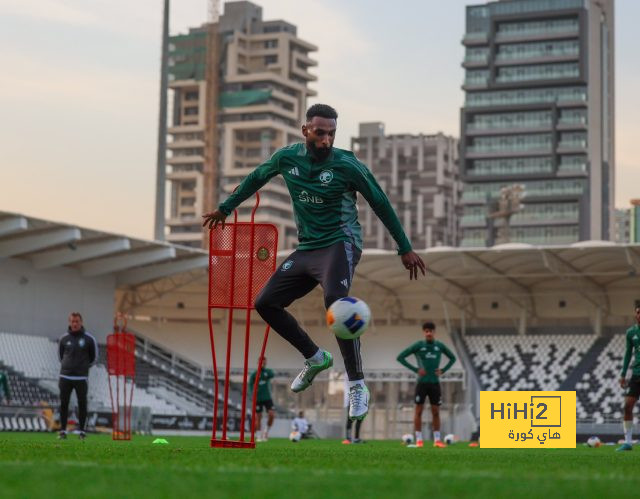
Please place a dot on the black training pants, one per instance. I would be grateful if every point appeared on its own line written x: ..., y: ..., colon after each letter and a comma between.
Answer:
x: 331, y: 267
x: 66, y: 387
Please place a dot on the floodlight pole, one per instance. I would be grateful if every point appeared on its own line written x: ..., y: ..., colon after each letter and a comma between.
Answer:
x: 161, y: 165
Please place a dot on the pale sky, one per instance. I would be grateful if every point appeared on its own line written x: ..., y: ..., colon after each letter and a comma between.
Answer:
x: 79, y: 91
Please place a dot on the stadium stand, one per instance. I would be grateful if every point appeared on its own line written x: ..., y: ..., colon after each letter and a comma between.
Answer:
x: 24, y: 392
x: 530, y: 362
x: 599, y: 396
x: 33, y: 364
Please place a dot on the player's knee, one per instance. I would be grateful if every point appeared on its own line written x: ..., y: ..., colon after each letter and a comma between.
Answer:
x: 263, y: 303
x: 329, y: 299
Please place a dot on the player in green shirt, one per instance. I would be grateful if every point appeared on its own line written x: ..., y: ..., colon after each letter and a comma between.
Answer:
x: 633, y: 386
x: 323, y: 182
x: 428, y: 354
x: 4, y: 386
x: 263, y: 398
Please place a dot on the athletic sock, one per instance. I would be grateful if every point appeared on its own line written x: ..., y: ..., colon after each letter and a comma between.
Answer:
x: 628, y: 429
x: 418, y: 435
x: 317, y: 357
x: 436, y: 435
x: 356, y: 382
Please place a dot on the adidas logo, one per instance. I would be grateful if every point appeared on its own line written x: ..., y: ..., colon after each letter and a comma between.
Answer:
x: 345, y: 283
x: 294, y: 171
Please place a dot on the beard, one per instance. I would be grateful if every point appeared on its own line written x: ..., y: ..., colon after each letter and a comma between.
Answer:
x: 319, y: 153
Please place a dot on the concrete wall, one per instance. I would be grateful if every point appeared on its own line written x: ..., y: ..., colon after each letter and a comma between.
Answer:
x: 38, y: 302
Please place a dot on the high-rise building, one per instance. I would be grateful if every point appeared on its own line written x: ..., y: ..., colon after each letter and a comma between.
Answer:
x: 239, y: 92
x: 539, y: 111
x: 419, y: 174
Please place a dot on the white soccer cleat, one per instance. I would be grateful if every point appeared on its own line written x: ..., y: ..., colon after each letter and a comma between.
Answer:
x: 358, y: 402
x: 310, y: 371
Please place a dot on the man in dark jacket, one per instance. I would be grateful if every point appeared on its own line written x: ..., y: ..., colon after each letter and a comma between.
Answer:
x: 78, y: 350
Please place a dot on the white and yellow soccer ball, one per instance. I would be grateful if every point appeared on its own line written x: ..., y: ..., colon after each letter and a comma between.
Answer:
x: 295, y: 436
x: 348, y: 317
x: 594, y: 442
x: 407, y: 439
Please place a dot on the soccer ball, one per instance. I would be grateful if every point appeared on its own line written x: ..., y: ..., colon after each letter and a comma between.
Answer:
x: 348, y: 317
x: 449, y: 439
x: 295, y: 436
x: 594, y: 442
x: 407, y: 439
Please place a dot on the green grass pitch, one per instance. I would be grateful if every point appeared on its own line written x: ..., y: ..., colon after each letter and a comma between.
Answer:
x: 38, y: 465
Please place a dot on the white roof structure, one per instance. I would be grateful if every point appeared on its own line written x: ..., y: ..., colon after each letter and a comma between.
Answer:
x: 591, y: 280
x: 48, y: 244
x: 587, y: 276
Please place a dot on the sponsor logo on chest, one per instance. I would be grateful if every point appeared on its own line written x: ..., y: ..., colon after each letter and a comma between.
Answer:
x: 305, y: 197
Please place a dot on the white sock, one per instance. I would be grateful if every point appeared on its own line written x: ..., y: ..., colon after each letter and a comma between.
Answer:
x: 628, y: 429
x: 356, y: 382
x: 418, y: 435
x: 317, y: 357
x: 436, y: 435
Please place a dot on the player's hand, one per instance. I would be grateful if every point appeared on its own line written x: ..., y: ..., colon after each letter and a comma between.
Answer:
x: 412, y: 263
x: 422, y: 372
x: 623, y: 383
x: 213, y: 219
x: 438, y: 372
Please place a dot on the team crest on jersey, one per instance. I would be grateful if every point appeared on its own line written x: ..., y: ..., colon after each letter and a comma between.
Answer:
x: 287, y: 265
x: 326, y: 176
x: 81, y: 342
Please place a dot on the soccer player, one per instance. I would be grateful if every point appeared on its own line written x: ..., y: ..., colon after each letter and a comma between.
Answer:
x: 77, y: 350
x: 428, y: 354
x: 633, y: 386
x: 263, y: 398
x: 322, y: 181
x: 301, y: 425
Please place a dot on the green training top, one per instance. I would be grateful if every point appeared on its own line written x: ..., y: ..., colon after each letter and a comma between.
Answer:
x: 264, y: 385
x: 633, y: 342
x: 323, y: 196
x: 428, y: 355
x: 4, y: 385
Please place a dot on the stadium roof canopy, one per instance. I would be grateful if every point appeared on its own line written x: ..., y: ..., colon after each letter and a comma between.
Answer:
x: 520, y: 274
x: 170, y: 281
x: 133, y: 261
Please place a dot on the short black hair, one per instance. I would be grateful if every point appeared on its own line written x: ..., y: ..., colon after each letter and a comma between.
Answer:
x: 429, y: 325
x: 322, y: 110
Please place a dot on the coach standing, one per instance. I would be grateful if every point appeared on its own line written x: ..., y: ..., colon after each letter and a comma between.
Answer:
x: 78, y: 350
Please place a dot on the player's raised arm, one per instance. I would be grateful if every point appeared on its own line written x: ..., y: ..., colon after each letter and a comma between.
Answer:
x: 366, y: 184
x: 249, y: 186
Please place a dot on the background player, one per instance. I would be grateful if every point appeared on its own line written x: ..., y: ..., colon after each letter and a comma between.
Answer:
x: 263, y: 398
x: 428, y: 353
x: 78, y: 350
x: 633, y: 386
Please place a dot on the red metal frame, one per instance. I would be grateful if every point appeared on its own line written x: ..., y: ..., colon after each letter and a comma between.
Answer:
x: 230, y: 305
x: 121, y: 366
